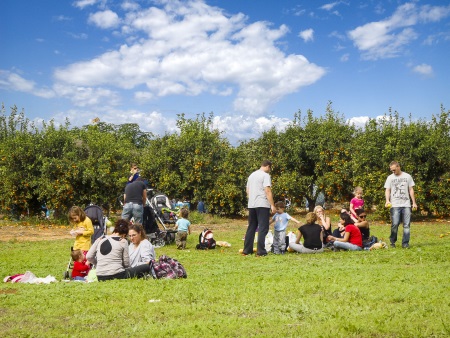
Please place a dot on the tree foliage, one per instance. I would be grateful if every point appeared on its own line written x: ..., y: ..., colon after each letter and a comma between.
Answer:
x: 62, y: 166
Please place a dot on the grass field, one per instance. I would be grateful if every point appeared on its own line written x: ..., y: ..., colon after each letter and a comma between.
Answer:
x: 384, y: 293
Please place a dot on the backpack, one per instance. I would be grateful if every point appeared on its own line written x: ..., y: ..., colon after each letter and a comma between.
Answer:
x: 369, y: 242
x: 166, y: 267
x: 206, y: 240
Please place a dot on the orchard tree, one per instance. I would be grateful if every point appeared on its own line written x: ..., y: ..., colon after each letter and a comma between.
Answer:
x: 314, y: 156
x: 19, y: 162
x: 186, y: 164
x: 228, y: 195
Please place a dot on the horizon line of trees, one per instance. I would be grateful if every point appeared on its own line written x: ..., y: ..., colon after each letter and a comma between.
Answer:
x: 61, y: 166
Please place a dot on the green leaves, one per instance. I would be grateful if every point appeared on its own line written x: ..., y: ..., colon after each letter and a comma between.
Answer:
x: 62, y: 166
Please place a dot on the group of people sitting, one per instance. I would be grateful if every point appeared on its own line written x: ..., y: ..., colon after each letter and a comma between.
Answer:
x: 111, y: 254
x: 352, y: 232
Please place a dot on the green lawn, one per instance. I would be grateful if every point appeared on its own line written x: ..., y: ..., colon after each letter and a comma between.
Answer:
x: 384, y: 293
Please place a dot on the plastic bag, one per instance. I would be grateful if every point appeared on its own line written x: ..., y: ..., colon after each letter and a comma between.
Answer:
x: 269, y: 241
x: 92, y: 276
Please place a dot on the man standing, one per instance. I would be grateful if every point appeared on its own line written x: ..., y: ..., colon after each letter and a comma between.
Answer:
x: 134, y: 198
x: 260, y: 204
x: 399, y: 190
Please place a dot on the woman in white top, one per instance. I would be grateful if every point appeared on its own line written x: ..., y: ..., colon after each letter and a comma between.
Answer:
x: 141, y: 251
x: 110, y: 256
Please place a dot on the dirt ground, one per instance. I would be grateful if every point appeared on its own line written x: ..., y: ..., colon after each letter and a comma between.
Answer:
x: 48, y: 232
x: 33, y: 233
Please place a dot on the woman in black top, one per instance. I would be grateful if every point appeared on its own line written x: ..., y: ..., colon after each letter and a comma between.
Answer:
x: 312, y: 234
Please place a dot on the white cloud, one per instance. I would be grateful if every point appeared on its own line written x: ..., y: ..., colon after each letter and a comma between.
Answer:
x: 423, y: 69
x: 87, y: 96
x: 143, y: 96
x: 345, y: 57
x: 104, y: 19
x: 388, y: 38
x: 329, y: 6
x: 130, y: 6
x: 191, y: 49
x: 307, y: 34
x: 240, y: 127
x: 83, y: 3
x: 13, y: 81
x: 149, y: 121
x: 358, y: 121
x: 61, y: 18
x: 79, y: 36
x: 298, y: 11
x: 429, y: 13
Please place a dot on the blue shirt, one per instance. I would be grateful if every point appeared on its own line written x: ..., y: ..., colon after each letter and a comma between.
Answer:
x: 183, y: 224
x: 281, y: 221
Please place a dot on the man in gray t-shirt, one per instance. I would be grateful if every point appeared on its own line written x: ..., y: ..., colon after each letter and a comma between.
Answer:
x: 260, y: 204
x: 399, y: 194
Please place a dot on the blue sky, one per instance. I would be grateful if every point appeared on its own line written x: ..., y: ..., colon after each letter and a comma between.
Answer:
x: 253, y: 63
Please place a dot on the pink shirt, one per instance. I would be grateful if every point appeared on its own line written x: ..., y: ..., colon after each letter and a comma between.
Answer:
x: 358, y: 203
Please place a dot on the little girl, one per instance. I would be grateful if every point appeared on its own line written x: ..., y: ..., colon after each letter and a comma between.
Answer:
x: 356, y: 202
x: 80, y: 267
x: 82, y: 229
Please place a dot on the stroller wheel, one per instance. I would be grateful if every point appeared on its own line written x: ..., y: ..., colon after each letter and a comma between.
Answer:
x: 170, y: 237
x: 159, y: 243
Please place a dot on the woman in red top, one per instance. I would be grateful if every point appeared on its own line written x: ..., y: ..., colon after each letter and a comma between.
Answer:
x: 352, y: 239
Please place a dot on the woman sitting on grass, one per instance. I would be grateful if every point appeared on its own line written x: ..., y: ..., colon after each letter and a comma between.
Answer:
x: 312, y: 234
x: 352, y: 239
x: 141, y: 251
x: 324, y: 221
x: 362, y: 224
x: 110, y: 256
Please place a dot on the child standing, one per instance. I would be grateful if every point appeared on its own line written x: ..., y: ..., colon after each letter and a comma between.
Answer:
x: 80, y: 268
x: 356, y: 202
x: 134, y: 173
x: 281, y: 219
x: 82, y: 229
x: 184, y: 229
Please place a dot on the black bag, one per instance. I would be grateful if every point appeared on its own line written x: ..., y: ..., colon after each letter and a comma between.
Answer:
x: 369, y: 242
x: 206, y: 240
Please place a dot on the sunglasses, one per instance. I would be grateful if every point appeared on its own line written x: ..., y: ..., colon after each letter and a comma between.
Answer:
x: 362, y: 216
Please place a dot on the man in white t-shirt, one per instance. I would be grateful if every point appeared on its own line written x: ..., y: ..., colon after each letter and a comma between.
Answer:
x: 260, y: 204
x: 399, y: 194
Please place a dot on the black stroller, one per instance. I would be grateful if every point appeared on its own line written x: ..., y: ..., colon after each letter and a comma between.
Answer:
x: 95, y: 214
x: 158, y: 211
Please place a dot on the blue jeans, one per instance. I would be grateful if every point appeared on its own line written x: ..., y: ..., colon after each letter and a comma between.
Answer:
x: 346, y: 246
x: 135, y: 210
x: 400, y: 214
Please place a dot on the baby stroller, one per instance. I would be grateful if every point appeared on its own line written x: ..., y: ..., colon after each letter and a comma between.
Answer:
x: 95, y: 214
x: 158, y: 211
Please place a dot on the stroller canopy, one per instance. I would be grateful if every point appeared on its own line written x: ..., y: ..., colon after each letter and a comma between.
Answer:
x: 95, y: 213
